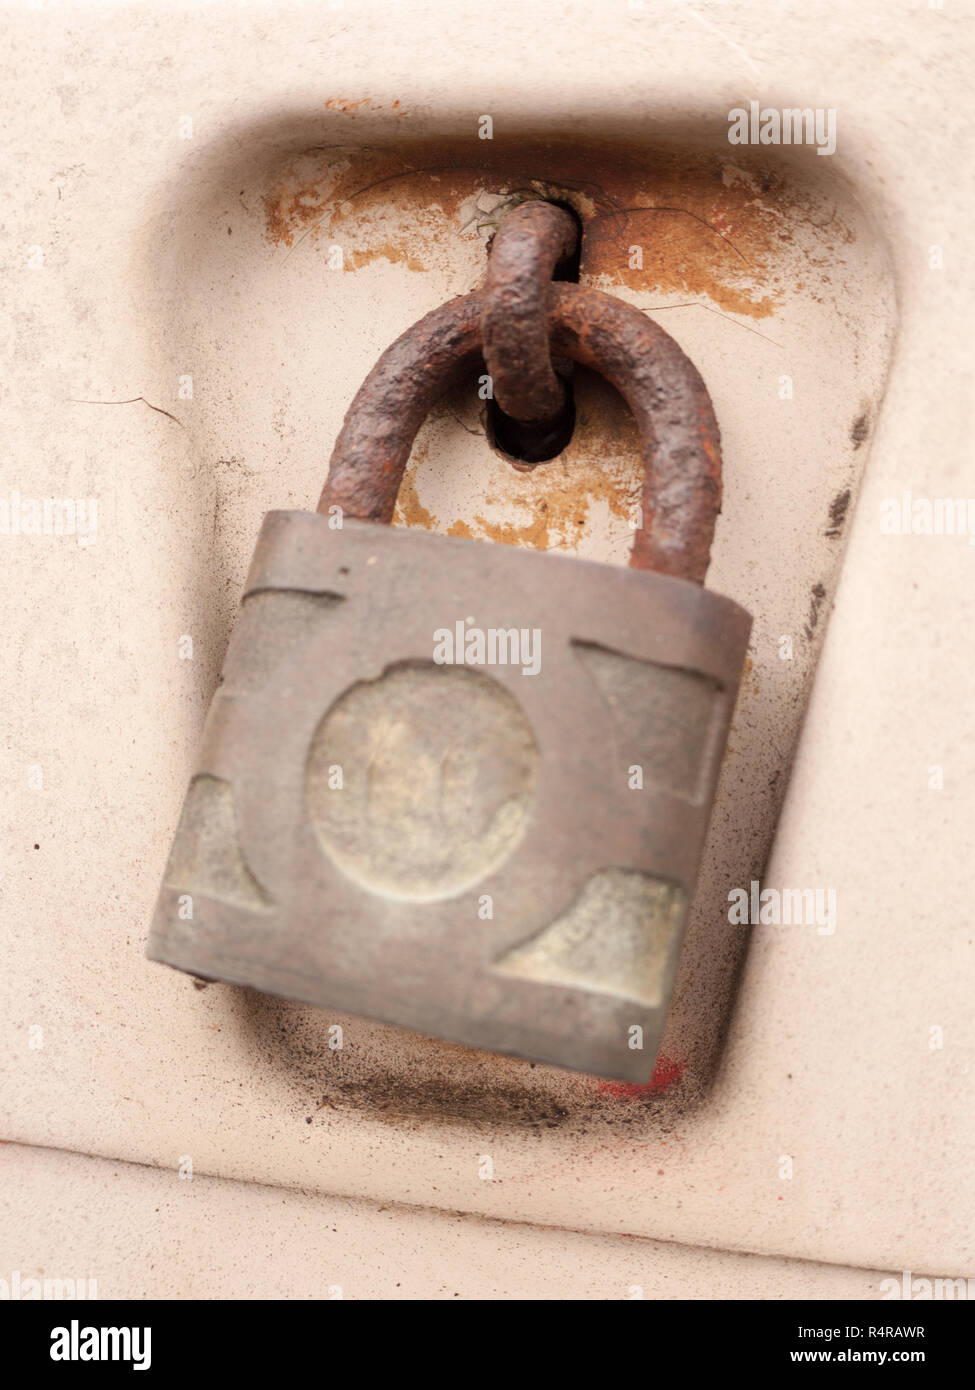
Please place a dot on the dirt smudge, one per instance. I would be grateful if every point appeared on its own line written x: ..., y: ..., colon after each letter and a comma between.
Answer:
x: 859, y: 430
x: 818, y: 597
x: 403, y: 1079
x: 838, y: 509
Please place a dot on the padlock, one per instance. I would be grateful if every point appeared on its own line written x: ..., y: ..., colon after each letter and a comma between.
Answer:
x: 463, y: 787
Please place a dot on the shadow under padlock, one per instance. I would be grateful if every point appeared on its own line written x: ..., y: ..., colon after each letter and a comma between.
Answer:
x: 458, y: 787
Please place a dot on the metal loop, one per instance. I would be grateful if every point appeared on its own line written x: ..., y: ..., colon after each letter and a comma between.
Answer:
x: 680, y: 440
x: 528, y: 245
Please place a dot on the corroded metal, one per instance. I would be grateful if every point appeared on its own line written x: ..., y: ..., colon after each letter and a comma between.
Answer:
x: 679, y: 434
x: 530, y: 241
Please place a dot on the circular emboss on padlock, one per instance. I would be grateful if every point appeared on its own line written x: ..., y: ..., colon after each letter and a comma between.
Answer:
x: 419, y: 784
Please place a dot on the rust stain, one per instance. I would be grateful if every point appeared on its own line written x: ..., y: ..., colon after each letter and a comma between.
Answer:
x: 599, y: 473
x: 749, y: 675
x: 562, y: 494
x: 288, y: 216
x: 350, y: 107
x: 674, y: 223
x: 535, y: 533
x: 384, y: 251
x: 355, y: 197
x: 669, y: 250
x: 410, y: 511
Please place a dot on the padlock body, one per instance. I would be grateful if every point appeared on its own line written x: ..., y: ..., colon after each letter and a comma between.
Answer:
x: 459, y: 787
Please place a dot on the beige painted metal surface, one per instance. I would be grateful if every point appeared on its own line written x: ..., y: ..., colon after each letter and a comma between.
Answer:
x: 147, y: 1233
x: 178, y: 349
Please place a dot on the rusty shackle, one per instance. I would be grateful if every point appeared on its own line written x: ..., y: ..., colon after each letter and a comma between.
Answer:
x: 528, y: 245
x: 679, y: 435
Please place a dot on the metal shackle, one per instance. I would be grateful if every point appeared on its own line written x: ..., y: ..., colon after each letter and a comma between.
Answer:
x: 680, y: 441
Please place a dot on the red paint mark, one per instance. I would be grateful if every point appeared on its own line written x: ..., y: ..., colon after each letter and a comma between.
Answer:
x: 665, y: 1074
